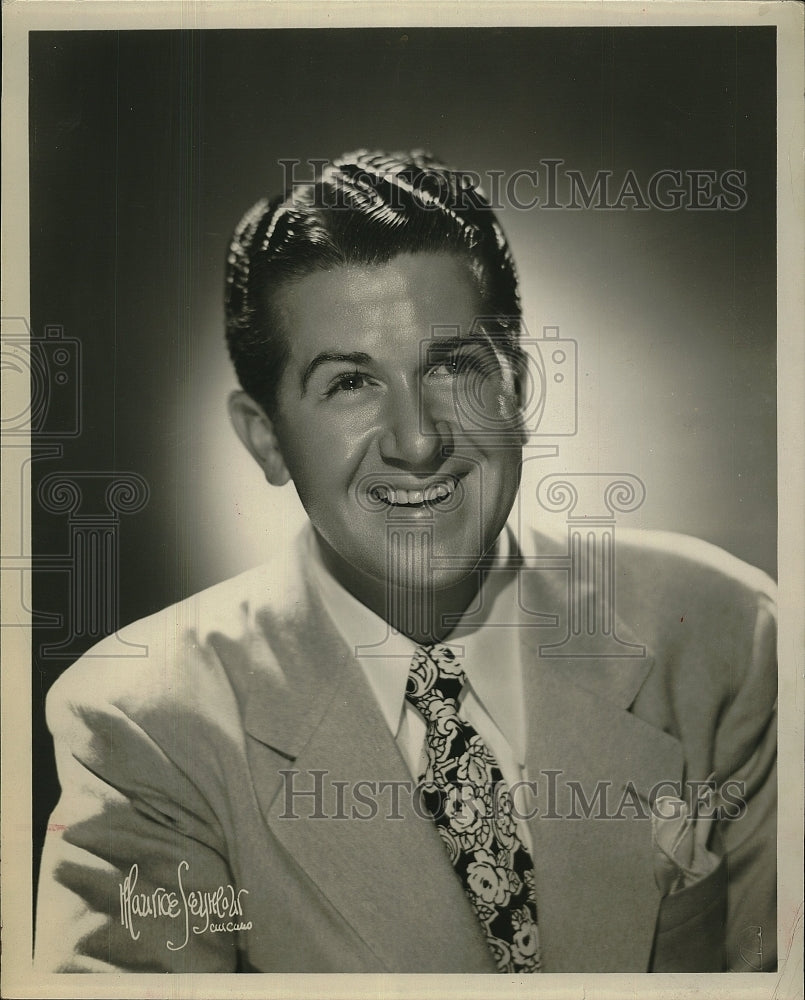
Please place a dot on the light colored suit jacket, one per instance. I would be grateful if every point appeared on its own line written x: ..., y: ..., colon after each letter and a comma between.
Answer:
x: 175, y: 763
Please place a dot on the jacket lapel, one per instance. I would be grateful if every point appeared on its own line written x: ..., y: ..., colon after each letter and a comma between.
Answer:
x: 383, y: 868
x: 390, y: 879
x: 596, y: 895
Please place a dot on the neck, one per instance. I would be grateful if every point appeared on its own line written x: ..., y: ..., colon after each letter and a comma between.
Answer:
x: 415, y: 608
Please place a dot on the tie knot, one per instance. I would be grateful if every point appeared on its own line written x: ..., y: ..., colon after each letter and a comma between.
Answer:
x: 435, y: 671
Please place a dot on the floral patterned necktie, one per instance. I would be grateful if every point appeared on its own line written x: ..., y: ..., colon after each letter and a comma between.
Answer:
x: 464, y: 791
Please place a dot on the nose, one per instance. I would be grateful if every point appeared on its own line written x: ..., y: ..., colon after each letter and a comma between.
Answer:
x: 412, y: 436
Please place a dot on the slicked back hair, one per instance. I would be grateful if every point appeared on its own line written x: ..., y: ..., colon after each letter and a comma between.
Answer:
x: 365, y: 208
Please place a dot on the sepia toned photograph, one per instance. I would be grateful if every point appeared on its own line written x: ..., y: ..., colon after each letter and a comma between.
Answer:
x: 395, y: 503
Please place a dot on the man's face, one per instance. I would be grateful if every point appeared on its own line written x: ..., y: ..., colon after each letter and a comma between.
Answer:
x: 386, y: 424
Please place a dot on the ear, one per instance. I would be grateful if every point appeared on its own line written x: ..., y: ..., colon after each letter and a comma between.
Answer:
x: 257, y: 433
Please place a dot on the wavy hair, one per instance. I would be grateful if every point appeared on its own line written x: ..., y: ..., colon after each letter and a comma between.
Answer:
x: 364, y: 208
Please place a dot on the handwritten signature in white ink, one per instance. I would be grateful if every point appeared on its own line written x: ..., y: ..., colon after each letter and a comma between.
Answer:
x: 213, y: 911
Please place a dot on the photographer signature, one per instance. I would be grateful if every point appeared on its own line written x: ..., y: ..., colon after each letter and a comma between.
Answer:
x: 213, y: 911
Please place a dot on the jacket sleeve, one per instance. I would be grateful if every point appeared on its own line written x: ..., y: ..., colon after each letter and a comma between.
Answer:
x: 133, y: 855
x: 746, y: 751
x: 727, y: 921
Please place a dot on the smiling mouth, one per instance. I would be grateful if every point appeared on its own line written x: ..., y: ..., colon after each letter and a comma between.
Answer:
x: 432, y: 494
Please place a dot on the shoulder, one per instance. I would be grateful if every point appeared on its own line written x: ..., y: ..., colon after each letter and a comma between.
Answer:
x: 194, y: 657
x: 706, y: 617
x: 668, y: 572
x: 691, y: 594
x: 689, y: 562
x: 694, y: 596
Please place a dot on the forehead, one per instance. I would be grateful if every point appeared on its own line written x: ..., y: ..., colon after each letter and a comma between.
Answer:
x: 380, y: 309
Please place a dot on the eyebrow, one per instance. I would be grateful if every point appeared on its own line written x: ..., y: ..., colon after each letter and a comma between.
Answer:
x: 327, y: 357
x: 438, y: 344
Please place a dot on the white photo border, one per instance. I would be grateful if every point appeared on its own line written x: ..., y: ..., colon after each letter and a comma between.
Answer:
x: 19, y: 979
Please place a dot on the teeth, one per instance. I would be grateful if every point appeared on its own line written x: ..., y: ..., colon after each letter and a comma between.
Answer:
x: 414, y: 498
x: 439, y: 492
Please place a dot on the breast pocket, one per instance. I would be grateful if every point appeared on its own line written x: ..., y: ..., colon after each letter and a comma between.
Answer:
x: 691, y: 927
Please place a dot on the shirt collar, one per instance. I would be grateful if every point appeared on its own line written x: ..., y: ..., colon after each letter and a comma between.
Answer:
x: 486, y: 638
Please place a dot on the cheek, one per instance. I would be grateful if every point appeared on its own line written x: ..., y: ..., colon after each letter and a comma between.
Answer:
x: 323, y: 458
x: 504, y: 480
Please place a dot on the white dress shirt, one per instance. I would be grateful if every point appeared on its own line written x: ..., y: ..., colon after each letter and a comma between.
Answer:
x: 485, y: 641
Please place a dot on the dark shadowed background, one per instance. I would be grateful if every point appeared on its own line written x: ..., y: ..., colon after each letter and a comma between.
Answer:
x: 147, y: 146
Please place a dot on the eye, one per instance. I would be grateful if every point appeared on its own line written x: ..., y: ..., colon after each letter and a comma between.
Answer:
x: 445, y: 369
x: 456, y: 363
x: 348, y: 382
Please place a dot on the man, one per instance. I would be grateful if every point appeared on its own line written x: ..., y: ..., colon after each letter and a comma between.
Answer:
x: 363, y: 756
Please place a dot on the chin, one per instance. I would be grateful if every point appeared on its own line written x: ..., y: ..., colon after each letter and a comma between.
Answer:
x: 454, y: 581
x: 420, y: 578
